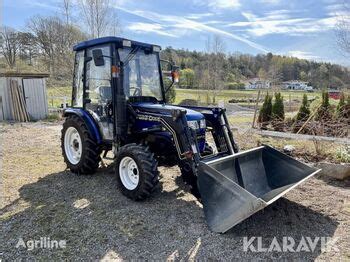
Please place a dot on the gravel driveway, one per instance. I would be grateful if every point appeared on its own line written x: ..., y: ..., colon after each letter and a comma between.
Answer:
x: 42, y: 199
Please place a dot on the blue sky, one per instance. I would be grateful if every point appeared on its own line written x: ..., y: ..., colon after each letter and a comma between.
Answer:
x: 298, y: 28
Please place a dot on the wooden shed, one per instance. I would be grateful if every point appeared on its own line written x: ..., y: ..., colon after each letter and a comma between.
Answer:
x: 23, y: 96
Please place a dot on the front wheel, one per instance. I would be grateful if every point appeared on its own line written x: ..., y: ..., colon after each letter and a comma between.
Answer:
x: 137, y: 171
x: 80, y: 151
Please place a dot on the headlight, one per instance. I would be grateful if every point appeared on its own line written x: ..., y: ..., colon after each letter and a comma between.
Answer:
x: 193, y: 124
x: 202, y: 124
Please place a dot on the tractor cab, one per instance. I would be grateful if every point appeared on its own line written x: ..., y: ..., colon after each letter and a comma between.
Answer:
x: 136, y: 65
x: 98, y: 61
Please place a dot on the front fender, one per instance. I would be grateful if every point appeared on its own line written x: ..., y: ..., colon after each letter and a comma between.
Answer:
x: 88, y: 119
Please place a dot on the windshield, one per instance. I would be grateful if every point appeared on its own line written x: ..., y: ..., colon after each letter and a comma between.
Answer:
x: 141, y: 73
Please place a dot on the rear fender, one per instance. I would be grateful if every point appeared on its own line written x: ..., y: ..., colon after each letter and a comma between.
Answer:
x: 89, y: 121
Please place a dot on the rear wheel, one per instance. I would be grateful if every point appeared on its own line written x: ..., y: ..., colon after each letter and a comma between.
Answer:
x: 137, y: 171
x: 80, y: 151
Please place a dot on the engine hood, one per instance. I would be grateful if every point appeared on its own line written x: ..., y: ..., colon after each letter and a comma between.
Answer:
x: 190, y: 114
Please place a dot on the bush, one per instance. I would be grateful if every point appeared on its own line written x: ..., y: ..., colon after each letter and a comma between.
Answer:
x: 341, y: 106
x: 278, y: 108
x: 343, y: 154
x: 234, y: 86
x: 324, y: 112
x: 187, y: 78
x: 53, y: 117
x: 304, y: 110
x: 265, y: 113
x: 189, y: 102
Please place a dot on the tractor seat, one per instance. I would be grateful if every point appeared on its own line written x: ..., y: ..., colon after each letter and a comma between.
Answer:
x: 105, y: 93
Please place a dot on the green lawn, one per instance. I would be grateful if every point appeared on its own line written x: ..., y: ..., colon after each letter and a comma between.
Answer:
x: 55, y: 95
x: 226, y: 95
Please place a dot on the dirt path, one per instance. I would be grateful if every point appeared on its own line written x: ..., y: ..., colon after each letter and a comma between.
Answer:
x: 42, y: 199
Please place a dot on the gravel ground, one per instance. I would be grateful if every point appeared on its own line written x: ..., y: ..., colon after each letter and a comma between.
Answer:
x: 42, y: 199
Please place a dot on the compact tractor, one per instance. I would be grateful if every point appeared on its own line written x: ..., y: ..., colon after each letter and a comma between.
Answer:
x: 119, y: 105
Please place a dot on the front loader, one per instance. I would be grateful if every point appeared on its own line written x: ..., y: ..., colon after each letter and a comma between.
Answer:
x: 119, y: 105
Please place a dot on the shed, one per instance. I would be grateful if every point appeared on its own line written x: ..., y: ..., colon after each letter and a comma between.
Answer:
x: 23, y: 96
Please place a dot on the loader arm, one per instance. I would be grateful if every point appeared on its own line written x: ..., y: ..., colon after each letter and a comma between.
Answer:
x: 219, y: 127
x: 174, y: 121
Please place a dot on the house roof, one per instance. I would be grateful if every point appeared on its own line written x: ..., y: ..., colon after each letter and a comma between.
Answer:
x: 25, y: 74
x: 107, y: 40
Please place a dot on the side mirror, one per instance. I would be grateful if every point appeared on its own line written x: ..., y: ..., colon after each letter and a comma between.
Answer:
x: 98, y: 57
x: 173, y: 74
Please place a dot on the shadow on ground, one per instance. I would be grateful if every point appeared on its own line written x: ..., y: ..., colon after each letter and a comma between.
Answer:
x: 345, y: 183
x: 98, y: 222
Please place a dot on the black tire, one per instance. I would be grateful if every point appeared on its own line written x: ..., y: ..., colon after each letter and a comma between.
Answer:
x: 208, y: 150
x: 189, y: 177
x: 147, y: 171
x: 90, y: 155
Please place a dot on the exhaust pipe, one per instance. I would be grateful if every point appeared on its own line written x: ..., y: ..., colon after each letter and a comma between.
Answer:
x: 235, y: 187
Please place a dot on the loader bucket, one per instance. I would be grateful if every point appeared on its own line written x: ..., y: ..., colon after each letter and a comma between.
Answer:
x: 235, y: 187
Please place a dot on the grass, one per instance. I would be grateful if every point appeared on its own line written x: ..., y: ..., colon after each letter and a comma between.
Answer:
x: 53, y: 117
x: 55, y: 95
x: 226, y: 95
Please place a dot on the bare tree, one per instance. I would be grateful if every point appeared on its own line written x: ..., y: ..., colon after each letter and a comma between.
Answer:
x: 218, y: 49
x: 56, y: 39
x: 216, y: 55
x: 28, y: 48
x: 343, y: 29
x: 67, y: 6
x: 115, y: 28
x: 99, y: 16
x: 46, y: 31
x: 9, y: 45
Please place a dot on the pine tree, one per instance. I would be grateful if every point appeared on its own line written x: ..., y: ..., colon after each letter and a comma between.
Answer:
x: 341, y: 105
x: 265, y: 113
x: 278, y: 108
x: 304, y: 110
x: 325, y: 100
x: 324, y: 111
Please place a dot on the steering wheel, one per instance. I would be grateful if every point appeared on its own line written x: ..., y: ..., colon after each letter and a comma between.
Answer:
x: 138, y: 91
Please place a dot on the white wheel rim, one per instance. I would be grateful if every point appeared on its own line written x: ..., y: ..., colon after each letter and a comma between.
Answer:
x: 129, y: 173
x: 72, y: 145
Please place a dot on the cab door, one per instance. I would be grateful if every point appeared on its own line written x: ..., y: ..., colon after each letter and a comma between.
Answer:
x: 98, y: 92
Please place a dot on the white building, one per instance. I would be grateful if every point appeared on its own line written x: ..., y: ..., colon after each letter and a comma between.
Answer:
x: 257, y: 83
x: 297, y: 85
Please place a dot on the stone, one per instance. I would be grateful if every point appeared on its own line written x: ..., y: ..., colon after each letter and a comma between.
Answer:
x: 288, y: 149
x: 338, y: 171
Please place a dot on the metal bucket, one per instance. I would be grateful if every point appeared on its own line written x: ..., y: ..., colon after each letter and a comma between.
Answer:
x: 235, y: 187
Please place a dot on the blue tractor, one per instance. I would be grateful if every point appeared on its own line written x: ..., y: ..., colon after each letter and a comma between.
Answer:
x: 119, y: 105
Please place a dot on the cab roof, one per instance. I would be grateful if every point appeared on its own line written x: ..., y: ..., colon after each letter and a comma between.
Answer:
x: 107, y: 40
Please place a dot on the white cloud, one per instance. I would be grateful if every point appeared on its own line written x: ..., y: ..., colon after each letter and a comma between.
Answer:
x: 271, y: 2
x: 150, y: 28
x: 196, y: 16
x: 303, y: 55
x: 283, y: 23
x: 218, y: 4
x: 224, y: 3
x: 49, y: 4
x: 182, y: 25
